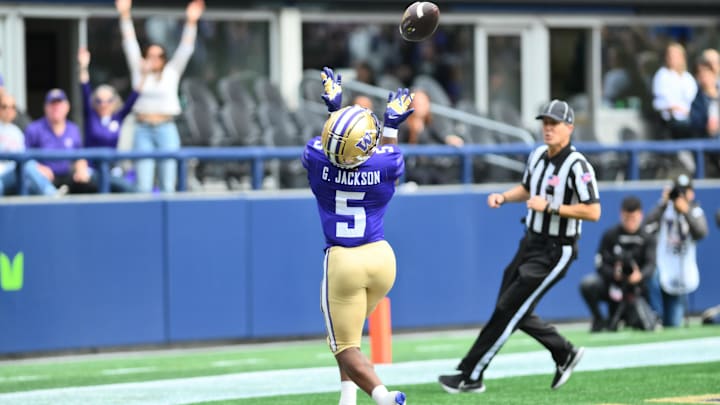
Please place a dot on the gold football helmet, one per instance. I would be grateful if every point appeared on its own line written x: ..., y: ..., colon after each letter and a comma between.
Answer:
x: 350, y: 136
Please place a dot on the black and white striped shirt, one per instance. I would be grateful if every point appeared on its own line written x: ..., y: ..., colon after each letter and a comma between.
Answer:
x: 566, y: 178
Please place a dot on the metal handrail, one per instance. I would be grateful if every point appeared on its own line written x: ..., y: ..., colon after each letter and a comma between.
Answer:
x: 258, y: 155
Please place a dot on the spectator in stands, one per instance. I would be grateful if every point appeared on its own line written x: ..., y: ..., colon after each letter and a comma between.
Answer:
x: 674, y: 90
x: 713, y: 57
x: 616, y: 80
x: 158, y: 103
x: 421, y: 128
x: 364, y: 73
x: 103, y: 114
x: 625, y: 258
x: 705, y: 110
x: 55, y: 131
x: 679, y: 223
x: 13, y: 140
x: 22, y: 119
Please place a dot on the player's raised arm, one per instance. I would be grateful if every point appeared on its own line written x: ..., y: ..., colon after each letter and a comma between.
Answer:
x: 396, y: 112
x: 332, y: 85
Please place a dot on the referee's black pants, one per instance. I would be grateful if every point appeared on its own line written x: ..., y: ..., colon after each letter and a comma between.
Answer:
x: 538, y: 264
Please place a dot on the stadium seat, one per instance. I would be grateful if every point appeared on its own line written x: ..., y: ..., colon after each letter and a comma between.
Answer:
x: 267, y: 93
x: 236, y: 88
x: 278, y: 125
x: 240, y: 126
x: 195, y: 91
x: 310, y: 120
x: 202, y: 124
x: 311, y: 87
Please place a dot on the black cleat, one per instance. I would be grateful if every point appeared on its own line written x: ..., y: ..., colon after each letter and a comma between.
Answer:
x: 459, y: 383
x: 598, y: 325
x: 563, y: 371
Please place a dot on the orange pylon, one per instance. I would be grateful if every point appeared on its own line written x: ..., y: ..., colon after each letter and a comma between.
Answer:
x: 380, y: 329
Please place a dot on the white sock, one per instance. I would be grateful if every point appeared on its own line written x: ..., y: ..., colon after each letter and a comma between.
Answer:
x: 379, y: 395
x: 382, y: 397
x: 348, y: 393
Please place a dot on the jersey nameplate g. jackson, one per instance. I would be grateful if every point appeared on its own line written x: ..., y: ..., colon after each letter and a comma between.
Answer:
x: 352, y: 202
x: 566, y: 178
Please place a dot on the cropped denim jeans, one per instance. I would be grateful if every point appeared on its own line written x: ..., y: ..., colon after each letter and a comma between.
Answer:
x: 161, y: 137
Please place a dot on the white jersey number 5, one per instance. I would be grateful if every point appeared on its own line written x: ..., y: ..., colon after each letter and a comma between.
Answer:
x: 343, y: 229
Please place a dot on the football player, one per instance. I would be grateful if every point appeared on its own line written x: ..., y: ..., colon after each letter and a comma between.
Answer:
x: 352, y: 169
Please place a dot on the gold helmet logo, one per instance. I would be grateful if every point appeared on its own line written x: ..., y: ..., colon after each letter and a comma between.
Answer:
x: 350, y: 136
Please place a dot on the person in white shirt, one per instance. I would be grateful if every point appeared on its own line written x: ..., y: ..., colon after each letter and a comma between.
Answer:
x: 679, y: 223
x: 674, y: 90
x: 158, y: 103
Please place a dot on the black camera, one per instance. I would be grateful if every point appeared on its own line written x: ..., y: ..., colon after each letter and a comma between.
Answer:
x: 680, y: 185
x: 628, y: 262
x: 676, y: 192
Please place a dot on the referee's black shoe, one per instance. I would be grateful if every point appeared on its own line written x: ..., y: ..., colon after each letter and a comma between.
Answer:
x: 460, y: 383
x: 563, y: 371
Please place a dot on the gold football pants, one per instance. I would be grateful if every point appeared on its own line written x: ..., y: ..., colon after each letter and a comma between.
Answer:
x: 354, y: 281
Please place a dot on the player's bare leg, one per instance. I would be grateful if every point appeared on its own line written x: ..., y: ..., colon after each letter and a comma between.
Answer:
x: 356, y: 367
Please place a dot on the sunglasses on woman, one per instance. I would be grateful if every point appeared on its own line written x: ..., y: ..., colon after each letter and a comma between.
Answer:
x: 100, y: 101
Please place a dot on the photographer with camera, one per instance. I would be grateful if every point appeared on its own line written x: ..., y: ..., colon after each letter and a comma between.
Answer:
x: 679, y: 223
x: 625, y: 259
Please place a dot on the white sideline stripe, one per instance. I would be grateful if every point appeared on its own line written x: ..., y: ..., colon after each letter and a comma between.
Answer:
x: 324, y: 379
x: 17, y: 378
x: 239, y: 362
x: 128, y: 370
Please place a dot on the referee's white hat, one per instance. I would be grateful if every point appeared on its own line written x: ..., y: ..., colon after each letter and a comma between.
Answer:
x: 558, y: 110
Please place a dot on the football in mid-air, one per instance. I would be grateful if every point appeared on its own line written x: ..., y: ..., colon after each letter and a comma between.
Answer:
x: 419, y: 21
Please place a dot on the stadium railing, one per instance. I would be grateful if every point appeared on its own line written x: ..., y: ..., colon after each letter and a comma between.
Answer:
x: 259, y: 155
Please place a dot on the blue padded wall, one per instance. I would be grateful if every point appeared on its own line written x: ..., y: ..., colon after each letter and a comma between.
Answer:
x: 92, y: 275
x: 101, y: 273
x: 208, y: 269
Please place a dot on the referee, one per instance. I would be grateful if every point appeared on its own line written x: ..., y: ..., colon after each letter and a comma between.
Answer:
x: 560, y: 190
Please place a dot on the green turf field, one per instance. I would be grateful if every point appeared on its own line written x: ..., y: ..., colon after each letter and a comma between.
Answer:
x: 628, y: 386
x: 624, y: 386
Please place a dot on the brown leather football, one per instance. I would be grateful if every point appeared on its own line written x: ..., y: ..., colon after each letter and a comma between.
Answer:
x: 419, y: 21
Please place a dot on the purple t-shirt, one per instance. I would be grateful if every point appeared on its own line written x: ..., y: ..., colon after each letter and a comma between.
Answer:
x: 39, y: 135
x: 99, y: 132
x: 352, y: 202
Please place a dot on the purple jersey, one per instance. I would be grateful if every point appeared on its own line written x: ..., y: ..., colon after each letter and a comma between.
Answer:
x: 352, y: 202
x: 101, y: 132
x: 39, y: 135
